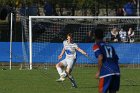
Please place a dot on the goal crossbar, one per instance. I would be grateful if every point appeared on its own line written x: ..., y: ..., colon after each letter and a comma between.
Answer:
x: 88, y: 17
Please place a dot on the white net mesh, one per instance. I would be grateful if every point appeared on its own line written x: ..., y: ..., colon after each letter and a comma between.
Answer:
x: 48, y: 34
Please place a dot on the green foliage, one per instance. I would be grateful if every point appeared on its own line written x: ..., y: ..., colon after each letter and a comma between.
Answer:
x: 79, y: 3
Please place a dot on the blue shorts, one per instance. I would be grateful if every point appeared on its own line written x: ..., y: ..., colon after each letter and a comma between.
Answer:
x: 109, y: 83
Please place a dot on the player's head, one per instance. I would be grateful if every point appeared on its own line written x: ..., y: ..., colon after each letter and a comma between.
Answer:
x: 69, y: 37
x: 99, y: 34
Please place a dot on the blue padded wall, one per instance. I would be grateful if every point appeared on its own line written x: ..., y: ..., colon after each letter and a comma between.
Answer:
x: 128, y: 53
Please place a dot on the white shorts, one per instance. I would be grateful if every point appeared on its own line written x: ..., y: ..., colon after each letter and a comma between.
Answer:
x: 69, y: 62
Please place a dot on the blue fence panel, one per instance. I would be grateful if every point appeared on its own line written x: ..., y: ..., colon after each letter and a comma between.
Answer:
x: 128, y: 53
x: 4, y: 51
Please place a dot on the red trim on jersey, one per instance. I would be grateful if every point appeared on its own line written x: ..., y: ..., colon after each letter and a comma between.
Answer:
x: 95, y: 47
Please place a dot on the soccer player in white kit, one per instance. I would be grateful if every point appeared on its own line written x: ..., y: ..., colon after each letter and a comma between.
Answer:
x: 70, y: 50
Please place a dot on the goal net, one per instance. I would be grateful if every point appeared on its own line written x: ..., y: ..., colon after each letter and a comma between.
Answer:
x: 46, y: 34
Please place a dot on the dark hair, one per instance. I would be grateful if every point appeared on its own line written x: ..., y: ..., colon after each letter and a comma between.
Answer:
x: 70, y: 34
x: 99, y: 34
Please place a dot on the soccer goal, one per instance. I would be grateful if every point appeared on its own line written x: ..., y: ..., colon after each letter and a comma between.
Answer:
x: 46, y: 34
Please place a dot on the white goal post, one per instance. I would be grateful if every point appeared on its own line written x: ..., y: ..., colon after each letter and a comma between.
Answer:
x: 11, y: 39
x: 69, y: 17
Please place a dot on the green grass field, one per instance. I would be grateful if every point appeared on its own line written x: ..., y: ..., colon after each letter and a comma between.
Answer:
x: 43, y: 81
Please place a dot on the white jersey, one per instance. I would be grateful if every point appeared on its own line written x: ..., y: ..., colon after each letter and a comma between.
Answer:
x: 70, y: 49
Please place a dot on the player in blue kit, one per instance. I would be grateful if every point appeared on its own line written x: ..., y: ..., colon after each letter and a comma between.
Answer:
x: 70, y: 51
x: 108, y: 68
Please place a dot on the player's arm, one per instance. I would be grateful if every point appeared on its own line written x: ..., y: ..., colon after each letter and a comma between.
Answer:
x: 62, y: 52
x: 82, y: 51
x: 100, y: 58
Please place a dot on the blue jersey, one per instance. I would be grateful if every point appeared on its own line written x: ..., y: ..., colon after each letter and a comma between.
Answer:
x: 110, y: 59
x: 130, y: 8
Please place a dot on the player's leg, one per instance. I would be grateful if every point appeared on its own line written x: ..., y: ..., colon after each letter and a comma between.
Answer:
x: 59, y: 67
x: 115, y: 84
x: 69, y: 69
x: 104, y: 84
x: 71, y: 78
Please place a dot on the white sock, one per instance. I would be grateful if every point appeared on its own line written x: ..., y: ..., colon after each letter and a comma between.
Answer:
x: 59, y: 70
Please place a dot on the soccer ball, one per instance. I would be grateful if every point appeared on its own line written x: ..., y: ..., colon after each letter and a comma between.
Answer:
x: 63, y: 75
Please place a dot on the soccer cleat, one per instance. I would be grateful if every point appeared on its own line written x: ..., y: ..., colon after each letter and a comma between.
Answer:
x: 61, y: 79
x: 74, y: 85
